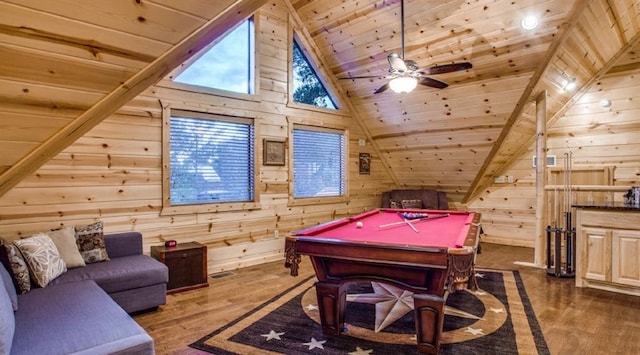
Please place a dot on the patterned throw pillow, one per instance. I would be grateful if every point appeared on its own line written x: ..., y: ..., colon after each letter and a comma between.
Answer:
x: 42, y: 257
x: 411, y: 203
x: 19, y: 268
x: 90, y: 240
x: 395, y: 204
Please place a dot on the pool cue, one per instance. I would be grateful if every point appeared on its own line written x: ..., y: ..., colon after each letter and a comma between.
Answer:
x: 410, y: 225
x: 413, y: 220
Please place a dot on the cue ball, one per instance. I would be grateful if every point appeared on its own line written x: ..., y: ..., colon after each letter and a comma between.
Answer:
x: 359, y: 224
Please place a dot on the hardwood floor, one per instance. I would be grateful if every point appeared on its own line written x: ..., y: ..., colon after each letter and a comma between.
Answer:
x: 573, y: 320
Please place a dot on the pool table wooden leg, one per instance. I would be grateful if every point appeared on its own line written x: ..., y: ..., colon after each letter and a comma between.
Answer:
x: 429, y: 315
x: 332, y: 299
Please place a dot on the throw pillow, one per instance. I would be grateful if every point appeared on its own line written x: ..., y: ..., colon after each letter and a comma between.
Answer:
x: 19, y: 268
x: 411, y: 203
x: 90, y: 240
x: 395, y: 204
x: 43, y: 258
x: 4, y: 259
x: 65, y: 241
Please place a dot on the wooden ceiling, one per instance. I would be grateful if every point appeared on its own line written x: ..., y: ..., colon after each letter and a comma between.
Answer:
x: 78, y: 62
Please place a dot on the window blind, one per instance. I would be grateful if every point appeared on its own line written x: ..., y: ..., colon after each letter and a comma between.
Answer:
x: 211, y: 161
x: 318, y: 163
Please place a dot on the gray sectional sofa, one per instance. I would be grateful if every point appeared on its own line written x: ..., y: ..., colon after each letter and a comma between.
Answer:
x: 85, y: 310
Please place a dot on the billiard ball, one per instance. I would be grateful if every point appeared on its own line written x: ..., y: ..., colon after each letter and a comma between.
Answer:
x: 359, y: 224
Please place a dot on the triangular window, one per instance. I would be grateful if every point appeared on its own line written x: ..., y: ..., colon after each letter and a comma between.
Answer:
x: 227, y: 64
x: 307, y: 87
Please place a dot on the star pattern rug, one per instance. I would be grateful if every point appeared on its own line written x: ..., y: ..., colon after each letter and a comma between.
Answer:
x: 495, y: 319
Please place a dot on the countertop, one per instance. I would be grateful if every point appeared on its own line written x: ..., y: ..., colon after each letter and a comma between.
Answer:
x: 614, y: 206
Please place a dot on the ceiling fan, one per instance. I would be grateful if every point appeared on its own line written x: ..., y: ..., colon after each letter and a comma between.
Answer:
x: 405, y: 74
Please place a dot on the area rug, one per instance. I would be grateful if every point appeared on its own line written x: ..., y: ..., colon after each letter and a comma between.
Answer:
x: 496, y: 319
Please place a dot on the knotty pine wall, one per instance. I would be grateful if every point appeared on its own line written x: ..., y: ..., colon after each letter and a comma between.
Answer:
x: 598, y: 137
x: 114, y: 172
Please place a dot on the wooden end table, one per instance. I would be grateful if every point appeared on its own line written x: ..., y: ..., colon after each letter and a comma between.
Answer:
x: 187, y: 263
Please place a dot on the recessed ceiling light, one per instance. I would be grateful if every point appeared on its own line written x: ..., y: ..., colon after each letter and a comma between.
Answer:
x: 605, y: 103
x: 529, y: 22
x: 569, y: 85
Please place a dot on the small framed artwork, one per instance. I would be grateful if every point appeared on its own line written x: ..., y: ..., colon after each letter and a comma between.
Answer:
x: 365, y: 164
x: 273, y: 152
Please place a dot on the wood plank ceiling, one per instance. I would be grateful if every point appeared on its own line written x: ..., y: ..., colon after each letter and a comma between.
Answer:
x: 77, y: 62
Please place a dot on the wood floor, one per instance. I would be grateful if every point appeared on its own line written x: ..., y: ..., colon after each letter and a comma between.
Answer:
x: 573, y: 320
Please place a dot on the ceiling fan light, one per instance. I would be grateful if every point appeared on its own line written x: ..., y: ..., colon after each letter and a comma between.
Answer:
x: 403, y: 84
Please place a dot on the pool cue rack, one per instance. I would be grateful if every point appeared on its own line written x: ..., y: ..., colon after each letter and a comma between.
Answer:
x: 561, y: 240
x: 561, y: 251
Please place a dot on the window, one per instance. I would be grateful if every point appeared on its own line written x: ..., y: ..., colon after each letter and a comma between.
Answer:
x: 307, y: 87
x: 318, y: 163
x: 227, y: 64
x: 211, y: 158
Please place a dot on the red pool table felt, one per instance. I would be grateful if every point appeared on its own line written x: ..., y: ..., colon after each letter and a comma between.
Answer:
x: 447, y: 232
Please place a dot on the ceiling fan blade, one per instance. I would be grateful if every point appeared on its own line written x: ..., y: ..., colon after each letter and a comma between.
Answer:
x: 446, y: 68
x: 396, y: 63
x: 434, y: 83
x: 362, y: 77
x: 383, y: 88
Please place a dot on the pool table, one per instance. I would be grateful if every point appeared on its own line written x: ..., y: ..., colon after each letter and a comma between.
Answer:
x: 426, y: 252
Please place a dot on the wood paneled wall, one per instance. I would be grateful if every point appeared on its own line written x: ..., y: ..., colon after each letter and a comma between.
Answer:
x: 114, y: 172
x: 597, y: 136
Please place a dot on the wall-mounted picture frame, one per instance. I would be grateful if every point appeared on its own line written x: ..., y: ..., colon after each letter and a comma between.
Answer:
x: 273, y: 152
x: 364, y: 164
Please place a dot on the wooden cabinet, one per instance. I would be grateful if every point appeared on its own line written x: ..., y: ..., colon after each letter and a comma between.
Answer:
x: 597, y: 252
x: 187, y: 263
x: 608, y: 250
x: 625, y: 253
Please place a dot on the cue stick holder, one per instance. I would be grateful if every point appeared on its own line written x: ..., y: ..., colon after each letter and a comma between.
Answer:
x: 561, y: 250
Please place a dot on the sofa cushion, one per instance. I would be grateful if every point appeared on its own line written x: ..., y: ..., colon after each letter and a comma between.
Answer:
x: 8, y: 285
x: 19, y: 268
x: 7, y: 320
x: 79, y: 318
x: 90, y: 240
x: 42, y: 257
x: 65, y: 241
x: 120, y: 274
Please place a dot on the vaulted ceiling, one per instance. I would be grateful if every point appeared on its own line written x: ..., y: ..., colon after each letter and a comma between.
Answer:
x: 455, y: 139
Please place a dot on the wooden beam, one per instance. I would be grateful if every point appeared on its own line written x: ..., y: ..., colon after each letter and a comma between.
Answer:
x: 481, y: 181
x: 541, y: 178
x: 149, y: 75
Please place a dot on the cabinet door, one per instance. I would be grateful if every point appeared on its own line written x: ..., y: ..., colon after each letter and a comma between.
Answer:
x: 626, y: 257
x: 597, y: 249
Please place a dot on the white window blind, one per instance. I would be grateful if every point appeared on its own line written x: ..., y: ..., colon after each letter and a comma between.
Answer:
x: 212, y: 160
x: 318, y: 163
